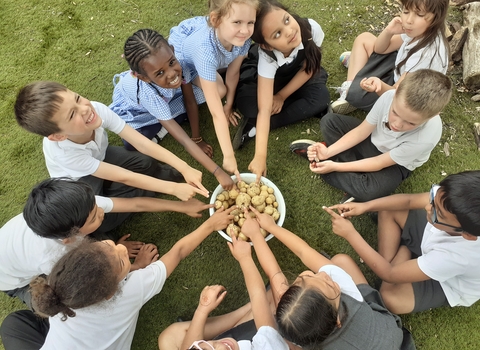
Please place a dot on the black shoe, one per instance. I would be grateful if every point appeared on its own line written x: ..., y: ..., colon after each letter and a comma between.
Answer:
x: 241, y: 136
x: 300, y: 147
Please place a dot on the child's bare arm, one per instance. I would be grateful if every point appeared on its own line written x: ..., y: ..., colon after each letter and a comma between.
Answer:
x: 192, y: 113
x: 196, y: 152
x: 262, y: 314
x: 146, y: 146
x: 406, y: 272
x: 293, y: 85
x: 118, y: 174
x: 363, y: 165
x: 393, y: 202
x: 193, y: 207
x: 187, y: 244
x: 389, y: 39
x: 210, y: 298
x: 220, y: 122
x: 258, y: 165
x: 231, y: 81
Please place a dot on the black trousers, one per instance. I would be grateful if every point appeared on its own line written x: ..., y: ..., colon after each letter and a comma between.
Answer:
x: 23, y: 330
x: 364, y: 186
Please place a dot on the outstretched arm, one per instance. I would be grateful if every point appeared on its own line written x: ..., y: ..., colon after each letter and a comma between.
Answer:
x: 210, y: 298
x: 406, y: 272
x: 187, y: 244
x: 262, y: 314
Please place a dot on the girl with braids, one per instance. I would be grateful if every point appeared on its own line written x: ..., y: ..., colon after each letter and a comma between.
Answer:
x: 412, y: 41
x: 218, y: 41
x: 155, y: 94
x: 291, y: 83
x: 91, y: 297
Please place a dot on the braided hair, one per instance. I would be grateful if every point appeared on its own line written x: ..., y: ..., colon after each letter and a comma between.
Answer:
x: 140, y: 45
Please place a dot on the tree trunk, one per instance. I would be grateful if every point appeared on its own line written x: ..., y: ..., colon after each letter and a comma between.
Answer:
x: 471, y: 49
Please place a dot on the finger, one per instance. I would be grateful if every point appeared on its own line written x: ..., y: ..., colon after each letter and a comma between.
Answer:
x: 257, y: 180
x: 201, y: 190
x: 331, y: 212
x: 232, y: 208
x: 237, y: 175
x: 255, y: 211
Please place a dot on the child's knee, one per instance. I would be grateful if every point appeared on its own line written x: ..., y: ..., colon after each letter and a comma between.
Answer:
x: 366, y: 39
x: 172, y: 336
x: 342, y: 260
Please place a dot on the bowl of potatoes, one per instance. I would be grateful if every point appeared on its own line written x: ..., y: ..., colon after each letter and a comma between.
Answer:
x: 265, y: 197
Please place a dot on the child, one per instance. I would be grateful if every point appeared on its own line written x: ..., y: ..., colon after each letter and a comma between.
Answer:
x: 59, y: 212
x: 91, y: 297
x: 265, y: 338
x: 291, y: 83
x: 328, y: 306
x: 413, y: 41
x: 148, y: 97
x: 207, y: 44
x: 425, y: 261
x: 369, y: 159
x: 75, y: 145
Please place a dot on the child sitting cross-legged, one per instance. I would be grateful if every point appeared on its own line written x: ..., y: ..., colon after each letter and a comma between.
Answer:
x: 428, y: 247
x: 92, y: 298
x: 76, y: 145
x: 370, y: 158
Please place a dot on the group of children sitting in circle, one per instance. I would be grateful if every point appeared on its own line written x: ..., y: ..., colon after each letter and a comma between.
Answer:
x: 90, y: 293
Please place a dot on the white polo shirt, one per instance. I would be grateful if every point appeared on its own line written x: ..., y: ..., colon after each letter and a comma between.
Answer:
x: 24, y: 254
x: 74, y: 160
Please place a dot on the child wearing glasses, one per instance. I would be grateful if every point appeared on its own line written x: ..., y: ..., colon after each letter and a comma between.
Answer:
x: 426, y: 260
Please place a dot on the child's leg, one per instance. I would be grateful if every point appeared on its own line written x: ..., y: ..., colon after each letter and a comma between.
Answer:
x: 361, y: 50
x: 24, y: 330
x: 312, y: 99
x: 22, y: 293
x: 390, y: 227
x: 349, y: 266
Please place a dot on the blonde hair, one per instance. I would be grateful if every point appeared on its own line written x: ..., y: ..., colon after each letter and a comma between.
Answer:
x: 425, y: 91
x: 220, y: 8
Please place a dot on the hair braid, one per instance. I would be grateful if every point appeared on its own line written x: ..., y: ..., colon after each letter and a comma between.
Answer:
x: 140, y: 45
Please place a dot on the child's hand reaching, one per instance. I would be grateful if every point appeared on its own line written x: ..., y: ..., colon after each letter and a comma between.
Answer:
x: 240, y: 249
x: 277, y: 104
x: 340, y: 226
x: 206, y: 148
x: 250, y: 227
x: 224, y: 179
x: 264, y: 220
x: 395, y: 26
x: 210, y: 298
x: 193, y: 207
x: 186, y: 191
x: 372, y: 84
x: 193, y: 177
x: 221, y: 218
x: 349, y: 210
x: 230, y: 165
x: 133, y: 247
x: 147, y: 255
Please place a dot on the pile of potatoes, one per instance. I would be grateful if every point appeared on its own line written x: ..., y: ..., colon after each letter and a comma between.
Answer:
x: 259, y: 196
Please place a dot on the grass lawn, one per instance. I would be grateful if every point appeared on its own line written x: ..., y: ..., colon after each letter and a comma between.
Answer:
x: 79, y: 43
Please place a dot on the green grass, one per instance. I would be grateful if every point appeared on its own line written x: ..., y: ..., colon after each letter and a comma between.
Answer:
x: 79, y: 43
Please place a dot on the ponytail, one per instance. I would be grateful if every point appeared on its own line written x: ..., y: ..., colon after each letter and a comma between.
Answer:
x: 313, y: 53
x: 82, y: 277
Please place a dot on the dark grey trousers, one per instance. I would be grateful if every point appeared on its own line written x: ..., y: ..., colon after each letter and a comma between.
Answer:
x: 23, y: 330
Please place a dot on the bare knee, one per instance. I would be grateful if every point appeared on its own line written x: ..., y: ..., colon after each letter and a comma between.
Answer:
x: 365, y: 39
x: 395, y: 300
x: 342, y: 260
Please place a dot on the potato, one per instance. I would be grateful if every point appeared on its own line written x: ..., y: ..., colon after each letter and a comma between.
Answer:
x: 242, y: 237
x: 253, y: 190
x: 241, y: 221
x: 241, y: 184
x: 218, y: 204
x: 275, y: 204
x: 264, y: 193
x: 243, y: 200
x: 236, y: 212
x: 275, y: 215
x: 233, y: 229
x: 263, y: 188
x: 225, y: 205
x: 225, y: 194
x: 236, y: 218
x: 233, y: 193
x: 221, y: 197
x: 260, y: 208
x: 268, y: 210
x: 258, y: 200
x: 263, y: 232
x: 270, y: 190
x: 243, y: 190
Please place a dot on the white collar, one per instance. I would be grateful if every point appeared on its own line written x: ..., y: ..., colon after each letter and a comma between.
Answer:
x: 281, y: 59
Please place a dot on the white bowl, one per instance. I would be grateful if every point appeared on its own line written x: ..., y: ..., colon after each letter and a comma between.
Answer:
x: 249, y: 178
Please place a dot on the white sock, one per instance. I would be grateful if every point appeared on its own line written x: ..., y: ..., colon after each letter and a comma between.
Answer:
x: 252, y: 132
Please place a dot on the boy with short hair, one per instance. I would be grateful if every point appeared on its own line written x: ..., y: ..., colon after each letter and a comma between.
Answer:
x: 56, y: 214
x: 425, y: 261
x: 369, y: 159
x: 76, y: 145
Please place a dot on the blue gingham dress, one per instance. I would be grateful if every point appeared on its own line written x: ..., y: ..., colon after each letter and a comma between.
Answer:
x: 197, y: 45
x: 155, y: 103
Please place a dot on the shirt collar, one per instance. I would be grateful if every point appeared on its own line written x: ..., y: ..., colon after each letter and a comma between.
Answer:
x: 281, y: 59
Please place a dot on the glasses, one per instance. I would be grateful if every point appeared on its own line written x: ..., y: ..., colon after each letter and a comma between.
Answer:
x: 196, y: 345
x: 434, y: 216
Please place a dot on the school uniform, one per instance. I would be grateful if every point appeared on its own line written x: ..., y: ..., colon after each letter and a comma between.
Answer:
x: 24, y: 254
x: 433, y: 56
x: 311, y: 99
x: 197, y: 46
x: 409, y: 150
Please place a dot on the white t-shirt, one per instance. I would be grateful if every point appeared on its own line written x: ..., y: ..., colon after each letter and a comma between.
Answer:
x: 24, y: 254
x: 434, y: 56
x: 410, y: 148
x: 344, y: 281
x: 267, y: 66
x: 70, y: 159
x: 454, y: 262
x: 266, y: 338
x: 111, y: 324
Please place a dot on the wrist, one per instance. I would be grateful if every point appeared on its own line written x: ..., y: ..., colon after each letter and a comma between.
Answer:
x: 197, y: 140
